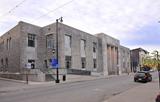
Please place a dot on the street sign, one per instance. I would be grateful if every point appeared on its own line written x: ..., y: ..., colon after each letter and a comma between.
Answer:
x: 54, y: 63
x: 28, y: 65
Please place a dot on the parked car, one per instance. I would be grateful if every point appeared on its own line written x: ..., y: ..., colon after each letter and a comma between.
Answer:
x: 143, y: 76
x: 146, y: 68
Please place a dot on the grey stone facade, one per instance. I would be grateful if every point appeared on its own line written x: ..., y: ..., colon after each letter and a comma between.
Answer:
x: 125, y: 59
x: 77, y: 50
x: 10, y: 50
x: 137, y: 56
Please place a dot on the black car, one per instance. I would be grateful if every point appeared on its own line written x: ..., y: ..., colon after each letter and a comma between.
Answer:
x: 143, y: 76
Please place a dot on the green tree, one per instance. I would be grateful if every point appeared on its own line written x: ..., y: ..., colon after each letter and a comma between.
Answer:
x: 148, y: 61
x: 153, y: 60
x: 156, y: 58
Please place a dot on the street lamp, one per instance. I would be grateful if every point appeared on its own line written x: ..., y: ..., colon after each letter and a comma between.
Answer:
x: 57, y: 70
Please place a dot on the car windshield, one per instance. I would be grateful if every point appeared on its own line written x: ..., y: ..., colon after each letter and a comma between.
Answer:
x: 140, y: 74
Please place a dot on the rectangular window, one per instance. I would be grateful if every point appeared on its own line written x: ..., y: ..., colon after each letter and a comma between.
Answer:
x: 67, y: 45
x: 67, y: 41
x: 94, y: 47
x: 83, y: 61
x: 2, y: 46
x: 6, y: 62
x: 68, y: 60
x: 2, y: 63
x: 32, y: 62
x: 7, y: 45
x: 45, y: 64
x: 31, y: 40
x: 50, y: 41
x: 83, y: 47
x: 94, y: 50
x: 94, y: 63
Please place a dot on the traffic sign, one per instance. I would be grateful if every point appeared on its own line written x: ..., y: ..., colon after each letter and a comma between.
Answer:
x: 54, y: 63
x: 28, y: 66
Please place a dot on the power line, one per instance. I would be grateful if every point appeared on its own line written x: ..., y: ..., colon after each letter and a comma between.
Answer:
x: 11, y: 10
x: 41, y: 15
x: 53, y: 10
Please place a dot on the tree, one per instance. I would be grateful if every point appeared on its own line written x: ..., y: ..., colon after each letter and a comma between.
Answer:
x: 153, y: 60
x: 148, y: 62
x: 156, y: 58
x: 157, y: 62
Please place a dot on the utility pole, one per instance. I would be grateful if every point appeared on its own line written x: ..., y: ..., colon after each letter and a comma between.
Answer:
x: 57, y: 69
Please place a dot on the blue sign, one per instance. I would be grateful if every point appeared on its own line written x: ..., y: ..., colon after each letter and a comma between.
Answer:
x: 54, y: 63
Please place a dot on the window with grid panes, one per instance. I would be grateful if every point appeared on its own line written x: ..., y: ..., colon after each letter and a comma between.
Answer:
x: 31, y: 40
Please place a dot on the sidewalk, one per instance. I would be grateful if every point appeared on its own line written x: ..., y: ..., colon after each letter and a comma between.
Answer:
x: 69, y: 79
x: 15, y: 85
x: 143, y: 93
x: 79, y: 78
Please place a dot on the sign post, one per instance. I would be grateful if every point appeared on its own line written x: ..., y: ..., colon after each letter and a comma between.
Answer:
x: 55, y: 66
x: 27, y: 66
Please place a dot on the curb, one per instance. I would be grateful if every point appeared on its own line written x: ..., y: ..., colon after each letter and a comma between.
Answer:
x: 13, y: 80
x: 44, y: 84
x: 70, y: 81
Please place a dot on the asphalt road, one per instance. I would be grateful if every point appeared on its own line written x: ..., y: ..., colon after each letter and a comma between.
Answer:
x: 87, y: 91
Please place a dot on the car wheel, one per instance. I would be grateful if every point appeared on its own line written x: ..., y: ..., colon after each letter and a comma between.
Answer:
x: 150, y: 79
x: 145, y: 81
x: 135, y: 80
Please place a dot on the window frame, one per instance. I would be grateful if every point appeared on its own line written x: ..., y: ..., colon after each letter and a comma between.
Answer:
x: 94, y: 47
x: 83, y: 62
x: 31, y: 40
x: 49, y: 41
x: 94, y: 63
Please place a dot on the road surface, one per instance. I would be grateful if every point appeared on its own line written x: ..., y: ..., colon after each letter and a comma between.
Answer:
x: 88, y: 91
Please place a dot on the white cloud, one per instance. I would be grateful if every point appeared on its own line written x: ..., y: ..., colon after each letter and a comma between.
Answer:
x: 114, y: 17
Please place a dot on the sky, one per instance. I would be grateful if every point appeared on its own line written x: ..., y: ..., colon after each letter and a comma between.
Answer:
x: 136, y: 23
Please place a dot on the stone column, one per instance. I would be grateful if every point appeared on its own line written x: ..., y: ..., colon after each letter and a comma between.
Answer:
x: 114, y: 59
x: 110, y: 59
x: 105, y: 60
x: 118, y: 59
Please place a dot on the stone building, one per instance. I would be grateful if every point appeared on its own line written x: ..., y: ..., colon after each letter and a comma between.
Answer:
x: 125, y: 59
x: 137, y: 56
x: 78, y: 52
x: 108, y: 54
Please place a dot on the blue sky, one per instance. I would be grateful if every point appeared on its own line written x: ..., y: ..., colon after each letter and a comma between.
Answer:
x: 133, y: 22
x: 148, y: 35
